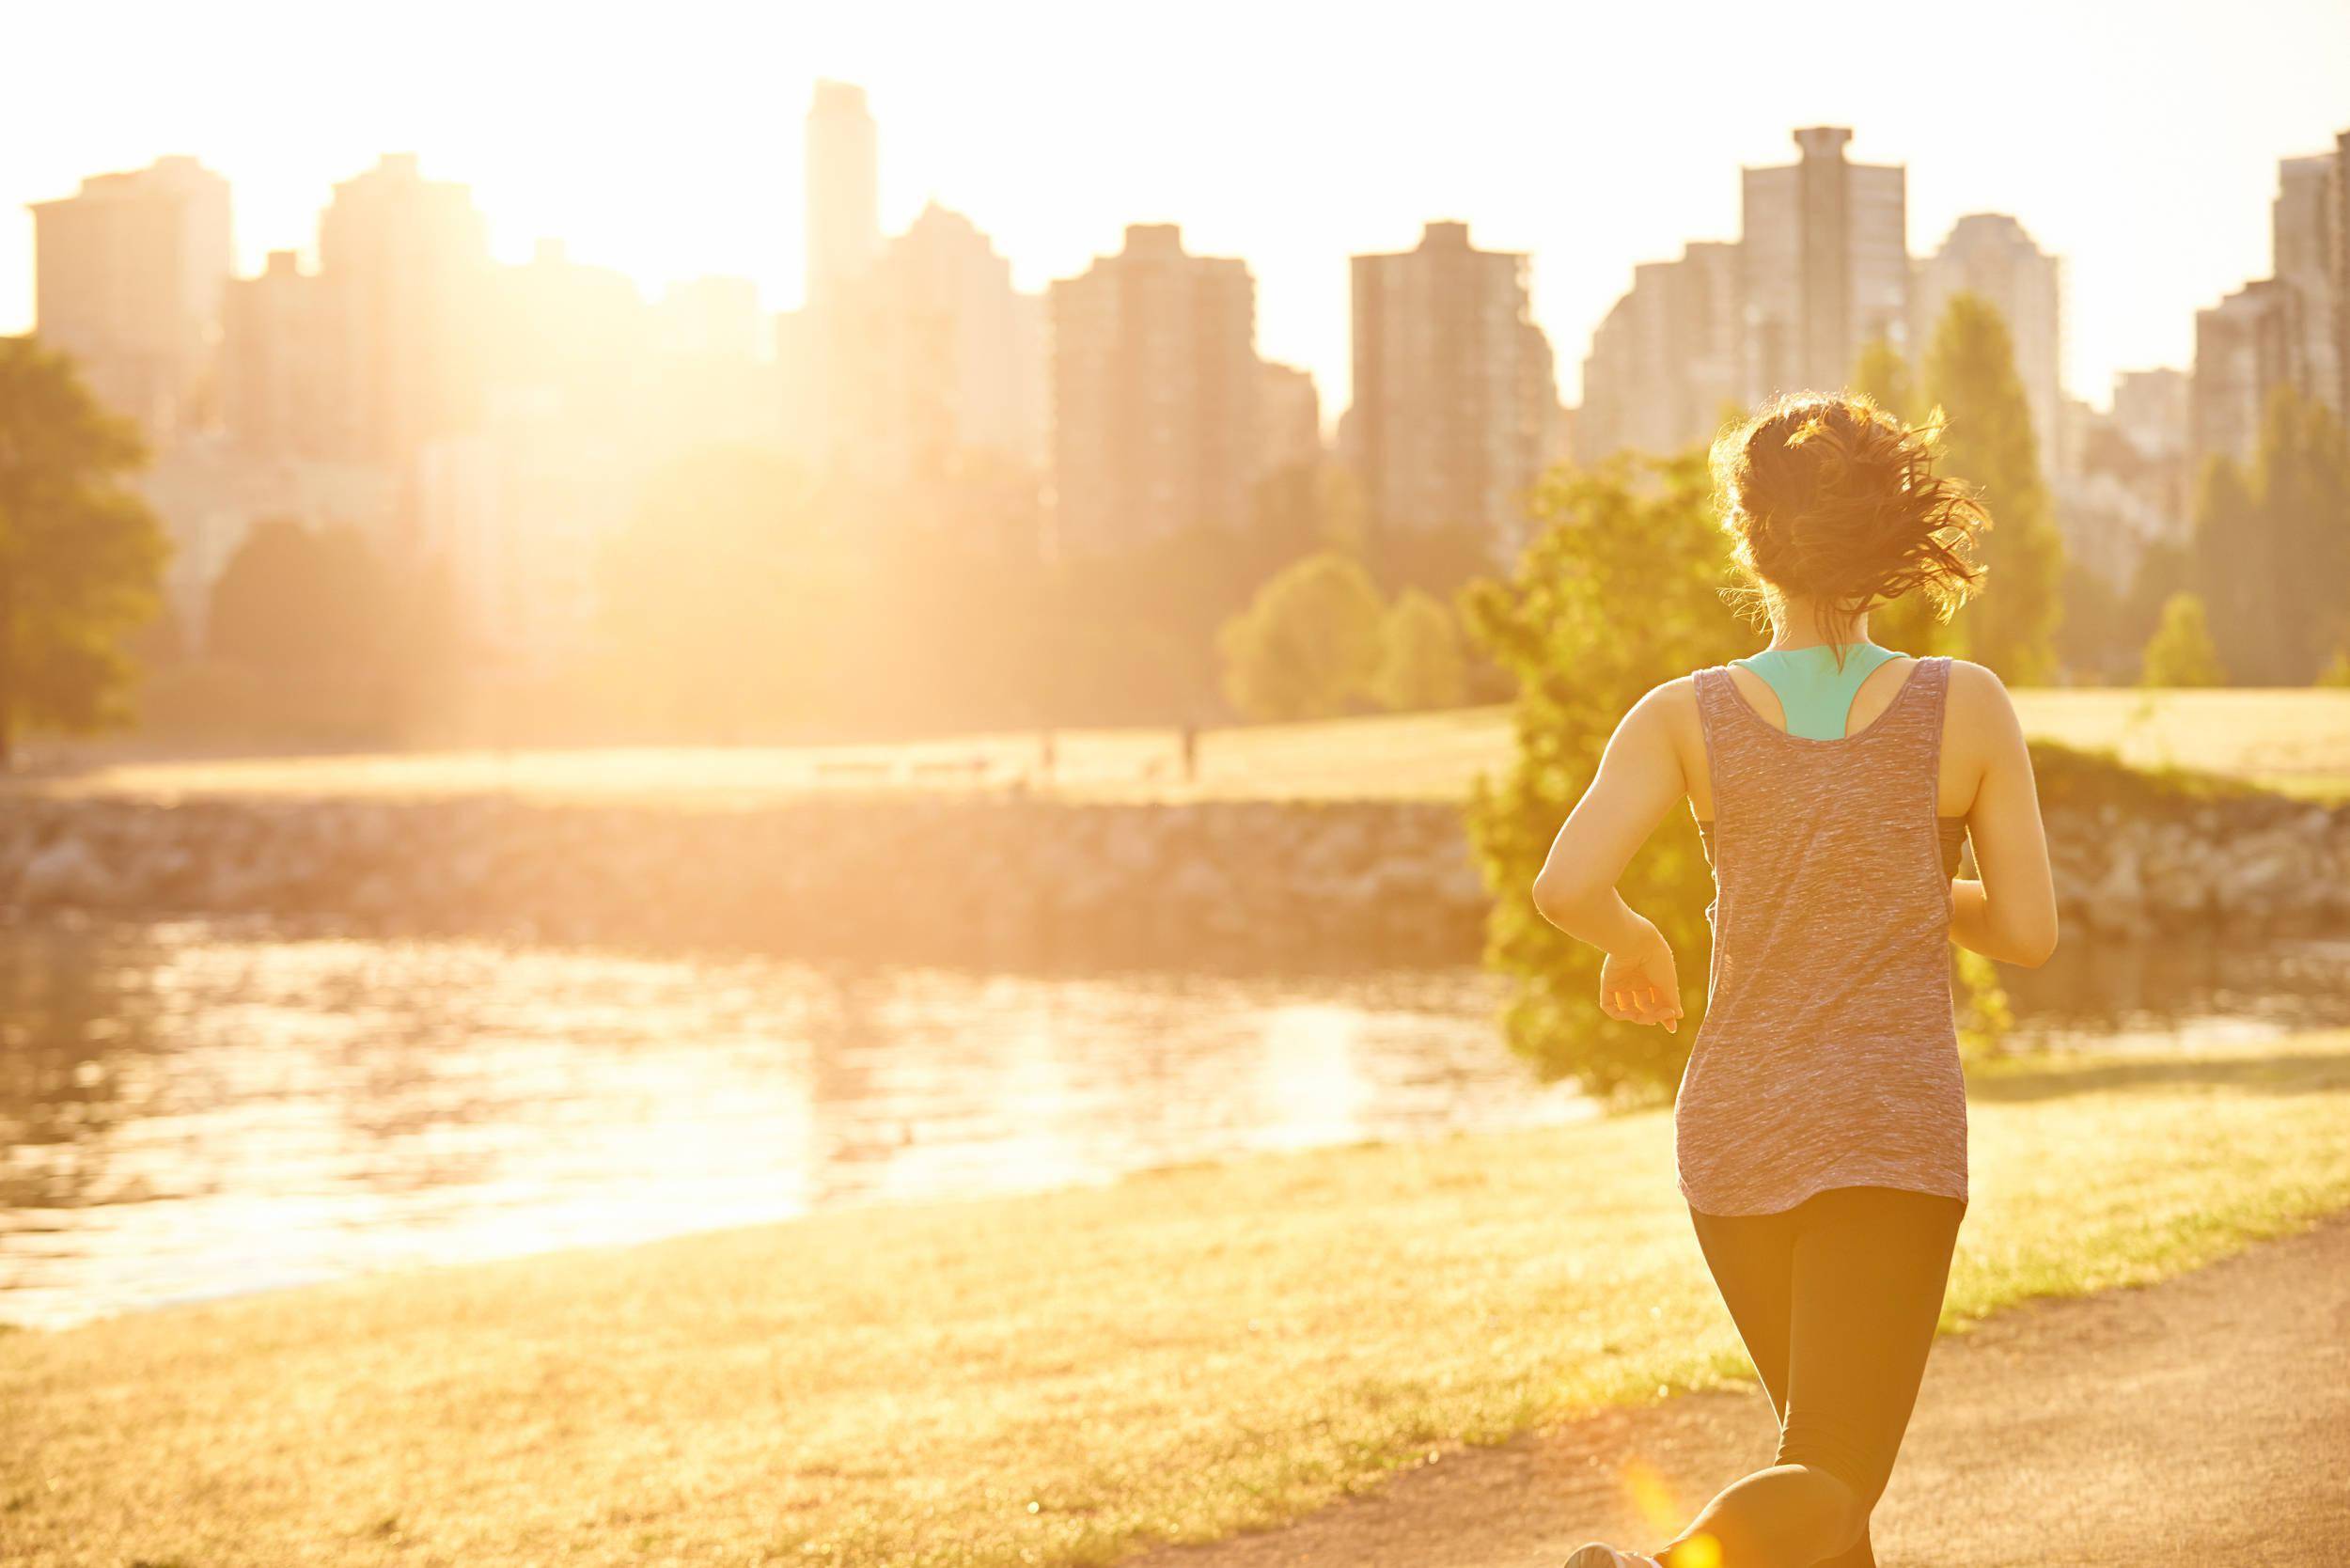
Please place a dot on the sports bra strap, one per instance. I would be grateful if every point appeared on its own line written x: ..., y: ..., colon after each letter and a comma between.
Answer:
x: 1814, y: 695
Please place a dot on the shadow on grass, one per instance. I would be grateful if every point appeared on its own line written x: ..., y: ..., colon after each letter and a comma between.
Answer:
x: 2271, y: 1073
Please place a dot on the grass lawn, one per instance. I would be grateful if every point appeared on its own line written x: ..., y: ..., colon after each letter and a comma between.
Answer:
x: 1053, y: 1379
x: 2294, y: 740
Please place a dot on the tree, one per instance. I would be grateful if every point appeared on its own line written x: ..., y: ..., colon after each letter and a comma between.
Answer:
x: 1420, y: 664
x: 1440, y: 557
x: 1882, y: 372
x: 1308, y: 644
x: 2271, y: 548
x: 2232, y: 553
x: 2303, y: 489
x: 1308, y: 506
x: 727, y: 601
x: 1632, y: 531
x: 2181, y: 652
x: 2094, y: 613
x: 294, y: 601
x: 81, y: 556
x: 1970, y: 375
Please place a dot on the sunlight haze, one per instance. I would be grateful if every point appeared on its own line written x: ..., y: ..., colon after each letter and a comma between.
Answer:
x: 668, y: 144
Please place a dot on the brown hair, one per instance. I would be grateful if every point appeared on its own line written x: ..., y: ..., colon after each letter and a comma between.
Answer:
x: 1832, y: 499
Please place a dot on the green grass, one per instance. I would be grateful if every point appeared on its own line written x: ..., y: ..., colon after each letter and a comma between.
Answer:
x: 1056, y: 1379
x: 2293, y: 740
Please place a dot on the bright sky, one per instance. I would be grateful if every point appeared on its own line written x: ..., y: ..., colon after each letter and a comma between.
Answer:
x: 2139, y: 143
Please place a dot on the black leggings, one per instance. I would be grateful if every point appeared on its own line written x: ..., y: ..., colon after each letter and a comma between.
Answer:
x: 1837, y: 1301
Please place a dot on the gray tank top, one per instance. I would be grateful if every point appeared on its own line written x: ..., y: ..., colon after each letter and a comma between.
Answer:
x: 1828, y: 1055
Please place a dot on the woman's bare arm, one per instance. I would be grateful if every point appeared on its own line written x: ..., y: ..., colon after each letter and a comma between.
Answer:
x: 2010, y: 914
x: 1639, y: 780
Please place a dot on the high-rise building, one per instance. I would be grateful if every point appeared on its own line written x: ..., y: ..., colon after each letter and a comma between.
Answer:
x: 2288, y: 328
x: 1289, y: 412
x: 1665, y: 365
x: 1824, y: 262
x: 1155, y: 394
x: 406, y: 265
x: 2128, y: 488
x: 583, y: 329
x: 514, y: 512
x: 128, y: 276
x: 843, y: 190
x: 273, y: 394
x: 2246, y: 347
x: 712, y: 317
x: 582, y: 399
x: 935, y: 354
x: 1989, y: 255
x: 2150, y: 409
x: 1455, y: 410
x: 2306, y: 228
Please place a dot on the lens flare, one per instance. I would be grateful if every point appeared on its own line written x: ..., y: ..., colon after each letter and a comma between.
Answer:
x: 1652, y: 1496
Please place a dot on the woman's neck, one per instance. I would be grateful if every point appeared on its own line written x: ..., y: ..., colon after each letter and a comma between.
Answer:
x: 1796, y: 628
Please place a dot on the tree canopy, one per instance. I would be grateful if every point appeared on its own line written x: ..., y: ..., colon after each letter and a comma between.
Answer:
x: 2272, y: 546
x: 2181, y: 652
x: 81, y: 554
x: 1635, y: 531
x: 1421, y: 663
x: 1308, y: 645
x: 1970, y: 376
x: 299, y: 601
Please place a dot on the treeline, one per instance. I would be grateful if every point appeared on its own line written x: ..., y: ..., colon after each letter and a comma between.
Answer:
x: 737, y: 605
x: 2258, y: 593
x: 745, y: 599
x: 2271, y: 552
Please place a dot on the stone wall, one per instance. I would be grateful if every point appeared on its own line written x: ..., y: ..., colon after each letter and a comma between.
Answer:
x: 1010, y: 881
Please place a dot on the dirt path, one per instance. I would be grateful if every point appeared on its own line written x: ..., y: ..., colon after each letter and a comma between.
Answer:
x: 2204, y: 1420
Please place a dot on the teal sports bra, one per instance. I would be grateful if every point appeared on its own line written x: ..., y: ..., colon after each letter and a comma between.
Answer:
x: 1816, y: 695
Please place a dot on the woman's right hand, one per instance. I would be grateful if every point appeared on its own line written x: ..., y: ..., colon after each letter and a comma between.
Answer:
x: 1640, y: 984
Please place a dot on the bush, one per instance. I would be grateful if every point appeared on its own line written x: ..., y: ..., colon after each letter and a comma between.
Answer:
x: 1636, y: 532
x: 2180, y: 652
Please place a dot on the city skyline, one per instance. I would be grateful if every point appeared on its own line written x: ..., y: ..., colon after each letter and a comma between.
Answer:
x: 2156, y: 213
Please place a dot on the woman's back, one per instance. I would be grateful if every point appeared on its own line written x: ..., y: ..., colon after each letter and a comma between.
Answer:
x: 1827, y: 1056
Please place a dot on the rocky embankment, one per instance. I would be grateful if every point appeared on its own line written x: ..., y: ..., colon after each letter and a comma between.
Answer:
x: 1004, y: 880
x: 946, y: 878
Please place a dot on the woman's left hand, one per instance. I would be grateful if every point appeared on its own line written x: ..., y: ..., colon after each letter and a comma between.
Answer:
x: 1642, y: 984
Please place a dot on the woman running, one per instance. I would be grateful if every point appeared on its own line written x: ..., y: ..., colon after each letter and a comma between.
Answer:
x: 1820, y: 1127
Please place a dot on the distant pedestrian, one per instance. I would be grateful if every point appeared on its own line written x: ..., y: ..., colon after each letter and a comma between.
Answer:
x: 1191, y: 753
x: 1044, y: 755
x: 1820, y: 1127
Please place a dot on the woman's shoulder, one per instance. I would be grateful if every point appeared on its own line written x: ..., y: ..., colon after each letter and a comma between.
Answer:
x: 1669, y: 709
x: 1978, y: 712
x: 1671, y: 697
x: 1977, y: 688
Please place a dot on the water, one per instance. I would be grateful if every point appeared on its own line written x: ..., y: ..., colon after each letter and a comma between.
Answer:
x: 190, y: 1110
x: 195, y: 1109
